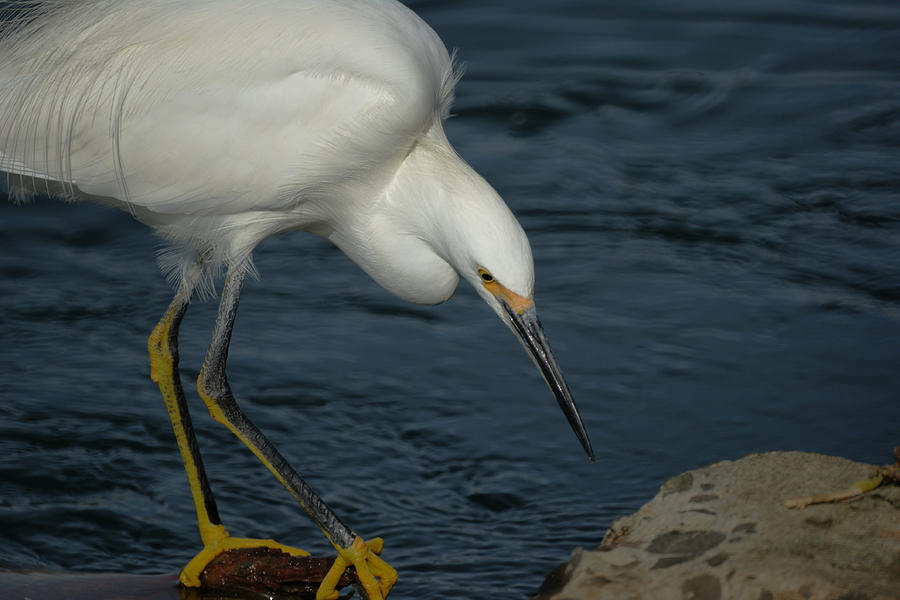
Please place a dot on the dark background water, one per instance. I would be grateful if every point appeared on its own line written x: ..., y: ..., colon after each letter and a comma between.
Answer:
x: 712, y: 193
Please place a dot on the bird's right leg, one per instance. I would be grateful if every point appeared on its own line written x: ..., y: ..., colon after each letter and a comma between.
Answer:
x: 163, y: 350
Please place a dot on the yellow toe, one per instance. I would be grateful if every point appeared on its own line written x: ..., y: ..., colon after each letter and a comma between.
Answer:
x: 375, y: 576
x: 190, y: 574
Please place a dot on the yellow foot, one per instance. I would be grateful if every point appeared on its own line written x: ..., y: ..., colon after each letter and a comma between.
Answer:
x: 375, y: 576
x: 190, y: 574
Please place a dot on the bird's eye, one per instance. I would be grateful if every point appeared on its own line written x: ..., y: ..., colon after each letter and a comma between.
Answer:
x: 485, y: 276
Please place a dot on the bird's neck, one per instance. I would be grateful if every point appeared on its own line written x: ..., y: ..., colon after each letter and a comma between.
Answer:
x: 398, y: 238
x: 426, y: 227
x: 438, y: 197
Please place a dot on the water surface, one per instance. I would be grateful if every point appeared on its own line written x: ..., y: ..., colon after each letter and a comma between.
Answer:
x: 713, y: 200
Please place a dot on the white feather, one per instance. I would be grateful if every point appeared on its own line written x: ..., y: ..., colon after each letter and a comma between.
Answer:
x: 222, y: 122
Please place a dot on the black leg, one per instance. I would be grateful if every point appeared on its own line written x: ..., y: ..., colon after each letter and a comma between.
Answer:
x: 163, y: 348
x: 216, y: 393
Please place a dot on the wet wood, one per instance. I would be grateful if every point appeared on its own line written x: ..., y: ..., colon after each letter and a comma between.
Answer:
x: 243, y: 574
x: 268, y: 570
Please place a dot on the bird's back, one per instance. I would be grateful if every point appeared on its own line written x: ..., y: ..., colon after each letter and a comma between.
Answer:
x: 216, y: 108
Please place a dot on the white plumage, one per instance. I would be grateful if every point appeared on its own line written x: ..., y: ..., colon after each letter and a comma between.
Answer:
x: 221, y: 123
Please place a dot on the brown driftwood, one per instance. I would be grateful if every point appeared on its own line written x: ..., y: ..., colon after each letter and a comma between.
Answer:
x: 248, y: 574
x: 269, y: 571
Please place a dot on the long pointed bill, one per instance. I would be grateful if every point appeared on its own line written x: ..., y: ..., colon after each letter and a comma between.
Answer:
x: 522, y: 318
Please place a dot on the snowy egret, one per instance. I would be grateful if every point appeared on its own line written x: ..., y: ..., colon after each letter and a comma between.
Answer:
x: 219, y: 123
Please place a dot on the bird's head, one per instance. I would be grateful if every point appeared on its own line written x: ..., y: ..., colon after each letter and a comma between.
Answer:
x: 500, y: 268
x: 474, y: 231
x: 439, y: 221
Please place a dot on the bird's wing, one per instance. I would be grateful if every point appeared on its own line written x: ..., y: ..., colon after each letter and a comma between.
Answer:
x: 16, y: 167
x: 217, y: 106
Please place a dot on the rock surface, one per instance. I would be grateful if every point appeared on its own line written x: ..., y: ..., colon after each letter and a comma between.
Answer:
x: 723, y: 532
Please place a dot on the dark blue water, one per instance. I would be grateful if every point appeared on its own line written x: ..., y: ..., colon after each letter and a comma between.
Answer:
x: 712, y: 193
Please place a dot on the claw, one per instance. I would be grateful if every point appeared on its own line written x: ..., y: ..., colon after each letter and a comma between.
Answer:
x: 375, y: 576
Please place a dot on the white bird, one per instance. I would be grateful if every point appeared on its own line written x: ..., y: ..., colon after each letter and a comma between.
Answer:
x: 219, y: 123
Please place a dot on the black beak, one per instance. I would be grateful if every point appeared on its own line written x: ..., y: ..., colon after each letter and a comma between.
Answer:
x: 528, y: 329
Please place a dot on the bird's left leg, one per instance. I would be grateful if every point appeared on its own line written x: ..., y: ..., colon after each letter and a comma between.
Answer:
x: 375, y: 575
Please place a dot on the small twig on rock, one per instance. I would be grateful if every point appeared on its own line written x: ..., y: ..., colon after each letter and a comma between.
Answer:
x: 883, y: 475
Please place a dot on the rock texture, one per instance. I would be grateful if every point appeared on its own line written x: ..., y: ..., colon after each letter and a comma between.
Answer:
x: 723, y: 532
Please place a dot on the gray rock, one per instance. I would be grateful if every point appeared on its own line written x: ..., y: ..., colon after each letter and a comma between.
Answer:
x: 722, y: 532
